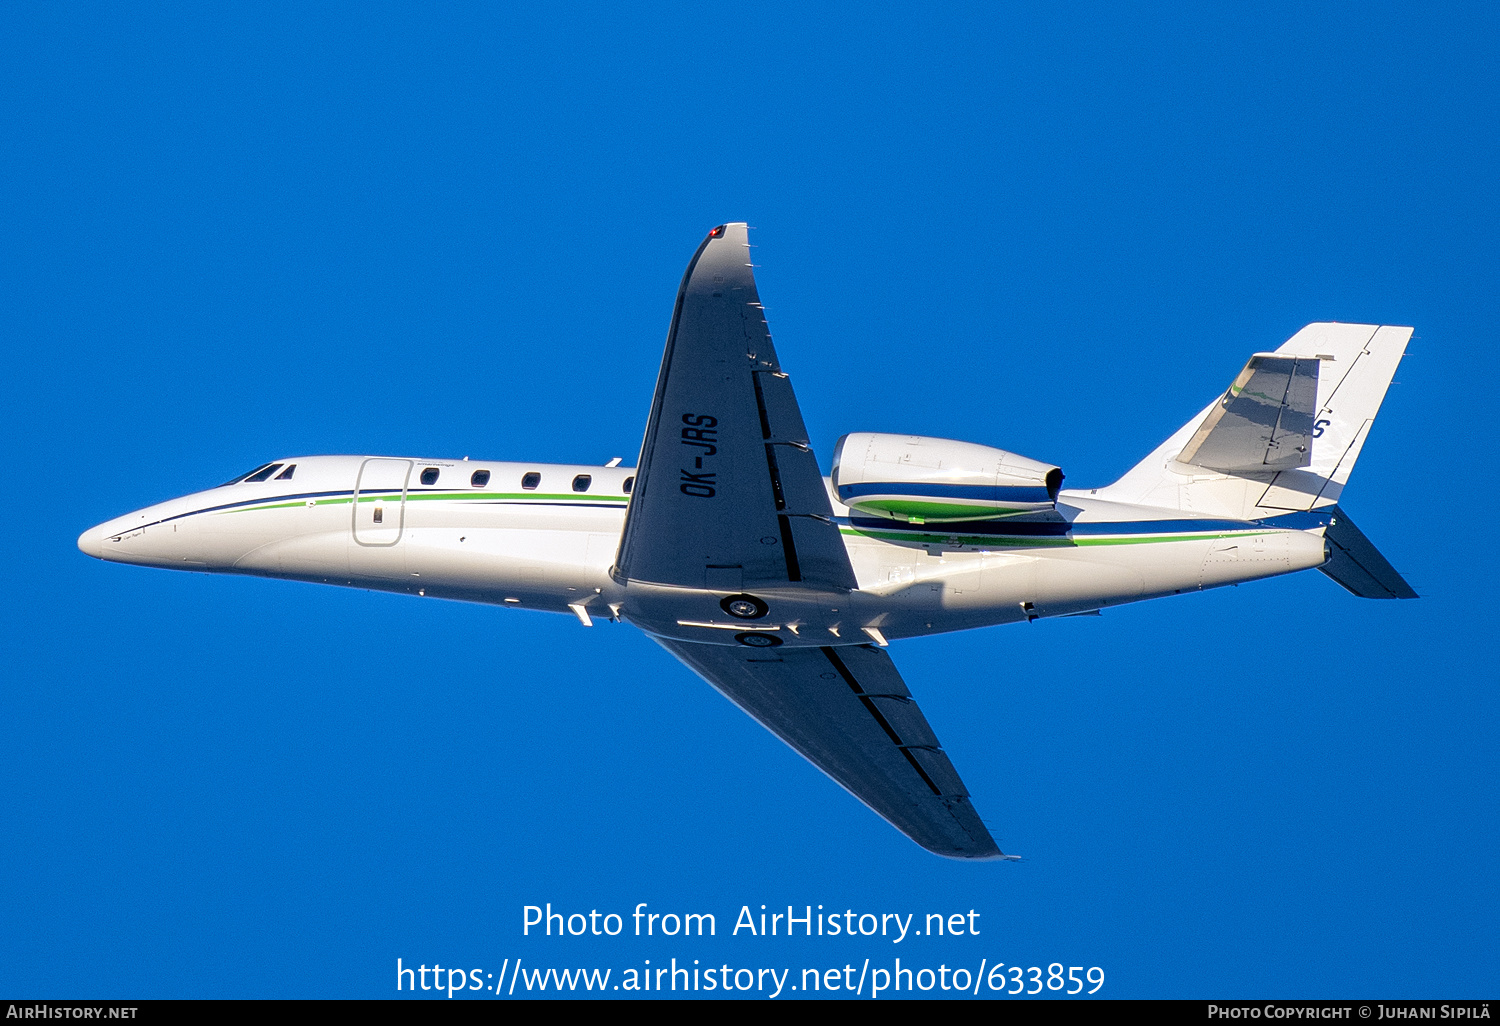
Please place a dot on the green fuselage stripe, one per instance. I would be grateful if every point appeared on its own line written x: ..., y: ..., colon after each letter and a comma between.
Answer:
x: 1003, y: 542
x: 939, y: 537
x: 517, y: 498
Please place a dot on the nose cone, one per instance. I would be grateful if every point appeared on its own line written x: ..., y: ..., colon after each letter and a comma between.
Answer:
x: 91, y: 542
x: 119, y: 540
x: 147, y: 537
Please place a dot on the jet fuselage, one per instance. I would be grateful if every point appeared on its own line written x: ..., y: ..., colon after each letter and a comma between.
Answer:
x: 545, y: 537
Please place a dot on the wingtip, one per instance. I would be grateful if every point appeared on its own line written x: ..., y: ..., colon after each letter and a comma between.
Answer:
x: 990, y: 854
x: 728, y: 228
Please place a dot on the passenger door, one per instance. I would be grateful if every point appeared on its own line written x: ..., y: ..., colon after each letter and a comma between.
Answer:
x: 380, y: 501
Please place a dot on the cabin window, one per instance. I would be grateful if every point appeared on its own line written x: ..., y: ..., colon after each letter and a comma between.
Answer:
x: 430, y: 476
x: 262, y: 475
x: 379, y: 514
x: 581, y: 482
x: 531, y: 480
x: 629, y: 484
x: 480, y: 478
x: 286, y: 475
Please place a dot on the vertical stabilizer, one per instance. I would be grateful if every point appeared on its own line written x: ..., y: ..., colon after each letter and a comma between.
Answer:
x: 1271, y: 444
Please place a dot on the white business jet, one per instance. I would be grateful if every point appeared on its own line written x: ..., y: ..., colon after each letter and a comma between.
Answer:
x: 781, y: 587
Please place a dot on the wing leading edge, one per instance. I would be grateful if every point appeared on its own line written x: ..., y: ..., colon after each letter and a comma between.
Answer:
x: 849, y: 713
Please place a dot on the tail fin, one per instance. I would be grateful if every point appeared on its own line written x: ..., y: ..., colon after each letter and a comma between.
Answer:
x: 1275, y: 442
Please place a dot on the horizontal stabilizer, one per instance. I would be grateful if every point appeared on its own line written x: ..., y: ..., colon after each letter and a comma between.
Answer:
x: 1264, y: 422
x: 1357, y: 565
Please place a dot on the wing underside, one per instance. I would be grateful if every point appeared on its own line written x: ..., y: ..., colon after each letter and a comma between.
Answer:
x: 849, y: 713
x: 728, y: 488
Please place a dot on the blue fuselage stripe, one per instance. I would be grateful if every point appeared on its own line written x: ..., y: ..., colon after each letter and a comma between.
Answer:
x: 1091, y: 528
x: 343, y: 493
x: 1292, y: 521
x: 934, y: 490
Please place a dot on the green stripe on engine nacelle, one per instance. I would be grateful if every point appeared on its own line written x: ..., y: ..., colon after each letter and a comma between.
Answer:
x: 935, y: 510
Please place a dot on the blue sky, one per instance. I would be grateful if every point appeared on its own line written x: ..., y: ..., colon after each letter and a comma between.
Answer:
x: 237, y: 234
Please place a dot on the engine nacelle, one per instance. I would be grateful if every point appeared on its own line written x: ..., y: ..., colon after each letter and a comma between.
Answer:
x: 932, y: 480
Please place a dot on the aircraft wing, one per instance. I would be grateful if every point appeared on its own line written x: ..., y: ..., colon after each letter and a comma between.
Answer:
x: 848, y: 712
x: 728, y: 493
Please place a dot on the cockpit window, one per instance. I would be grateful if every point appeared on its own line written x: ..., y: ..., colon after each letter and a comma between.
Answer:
x: 263, y: 474
x: 286, y: 475
x: 480, y: 478
x: 531, y: 480
x: 629, y: 484
x: 430, y: 476
x: 581, y: 482
x: 242, y: 477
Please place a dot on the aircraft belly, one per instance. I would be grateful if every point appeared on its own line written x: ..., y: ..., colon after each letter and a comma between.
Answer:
x: 907, y: 591
x: 912, y: 592
x: 469, y: 557
x: 252, y: 541
x: 315, y: 556
x: 1077, y: 581
x: 799, y: 617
